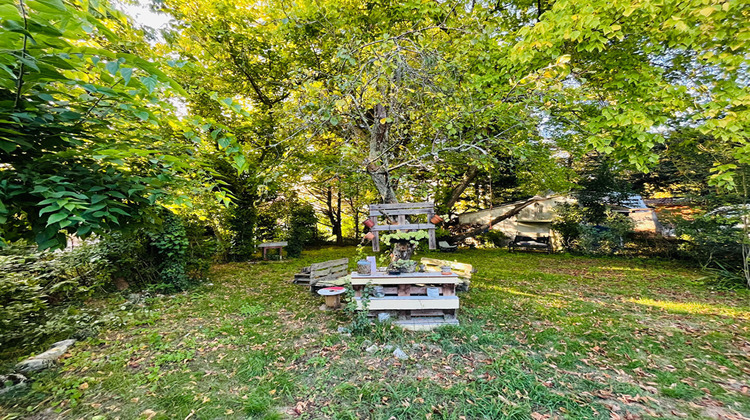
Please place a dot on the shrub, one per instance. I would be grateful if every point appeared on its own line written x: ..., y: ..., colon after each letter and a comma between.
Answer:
x: 607, y: 238
x: 567, y: 223
x: 495, y: 238
x: 302, y: 228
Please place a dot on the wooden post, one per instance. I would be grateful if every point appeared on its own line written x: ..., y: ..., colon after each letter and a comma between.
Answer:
x: 376, y: 239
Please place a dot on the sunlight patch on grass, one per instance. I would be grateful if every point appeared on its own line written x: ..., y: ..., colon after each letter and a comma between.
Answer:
x: 693, y: 308
x: 509, y: 290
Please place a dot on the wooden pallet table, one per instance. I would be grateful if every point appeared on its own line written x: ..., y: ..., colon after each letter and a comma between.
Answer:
x: 407, y: 299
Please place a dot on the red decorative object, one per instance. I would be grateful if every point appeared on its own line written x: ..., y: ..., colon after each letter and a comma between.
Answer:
x: 435, y: 219
x: 369, y: 236
x: 369, y: 223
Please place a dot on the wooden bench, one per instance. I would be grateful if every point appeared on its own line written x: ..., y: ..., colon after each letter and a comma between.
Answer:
x: 272, y: 245
x: 324, y: 273
x: 464, y: 271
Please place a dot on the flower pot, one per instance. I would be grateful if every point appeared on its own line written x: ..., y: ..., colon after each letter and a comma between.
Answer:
x: 435, y: 219
x: 369, y: 223
x: 393, y: 272
x: 378, y: 292
x: 363, y: 267
x: 446, y: 269
x: 369, y: 236
x: 433, y: 292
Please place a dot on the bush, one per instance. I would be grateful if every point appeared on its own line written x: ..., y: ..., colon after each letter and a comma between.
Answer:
x: 494, y: 237
x: 714, y: 241
x: 568, y: 223
x: 302, y: 228
x: 607, y: 238
x: 32, y: 282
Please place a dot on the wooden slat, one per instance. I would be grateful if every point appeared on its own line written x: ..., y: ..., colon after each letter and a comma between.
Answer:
x: 408, y: 226
x: 395, y: 281
x: 412, y: 212
x: 410, y: 303
x: 396, y: 206
x: 330, y: 263
x: 433, y: 265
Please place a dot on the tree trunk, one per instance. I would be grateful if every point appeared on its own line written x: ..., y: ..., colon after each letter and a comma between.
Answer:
x: 510, y: 213
x: 461, y: 187
x: 377, y: 167
x: 334, y: 215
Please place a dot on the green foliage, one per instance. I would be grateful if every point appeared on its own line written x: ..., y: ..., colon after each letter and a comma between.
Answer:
x: 360, y: 321
x: 568, y: 219
x: 713, y: 240
x: 171, y: 244
x: 412, y: 237
x: 35, y: 287
x: 302, y: 228
x: 87, y: 137
x: 360, y: 254
x: 495, y: 238
x: 605, y: 238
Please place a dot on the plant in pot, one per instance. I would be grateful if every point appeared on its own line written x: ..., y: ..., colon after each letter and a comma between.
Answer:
x: 363, y: 266
x: 403, y: 266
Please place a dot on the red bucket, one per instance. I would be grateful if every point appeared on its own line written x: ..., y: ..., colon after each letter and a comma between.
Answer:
x: 369, y: 223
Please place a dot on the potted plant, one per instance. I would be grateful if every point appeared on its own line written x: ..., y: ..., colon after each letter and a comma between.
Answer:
x: 363, y: 266
x: 404, y: 266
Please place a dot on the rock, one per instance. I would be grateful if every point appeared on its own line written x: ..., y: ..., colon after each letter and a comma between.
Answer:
x: 400, y: 354
x: 366, y: 343
x: 34, y: 365
x: 10, y: 382
x: 343, y: 330
x: 372, y: 349
x: 388, y: 347
x: 46, y: 359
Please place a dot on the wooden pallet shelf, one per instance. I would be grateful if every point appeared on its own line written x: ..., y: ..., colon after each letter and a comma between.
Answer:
x: 410, y: 303
x: 405, y: 298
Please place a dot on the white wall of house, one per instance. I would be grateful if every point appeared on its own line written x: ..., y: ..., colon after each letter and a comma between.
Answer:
x: 536, y: 219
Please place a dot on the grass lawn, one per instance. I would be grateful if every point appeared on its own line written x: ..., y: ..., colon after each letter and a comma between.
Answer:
x: 541, y: 336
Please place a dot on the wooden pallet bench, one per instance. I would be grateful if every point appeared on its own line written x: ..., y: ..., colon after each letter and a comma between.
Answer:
x: 464, y: 271
x: 406, y: 301
x: 321, y: 274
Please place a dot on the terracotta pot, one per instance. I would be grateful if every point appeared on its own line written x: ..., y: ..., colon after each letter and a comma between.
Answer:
x: 369, y: 236
x: 369, y: 223
x: 435, y: 219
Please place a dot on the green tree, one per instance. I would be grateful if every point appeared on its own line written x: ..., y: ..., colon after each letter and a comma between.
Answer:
x: 87, y: 137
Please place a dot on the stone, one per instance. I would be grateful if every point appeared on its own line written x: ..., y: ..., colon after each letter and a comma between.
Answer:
x: 366, y: 343
x: 387, y: 347
x: 400, y: 354
x: 372, y: 349
x: 10, y: 382
x: 34, y: 365
x: 46, y: 359
x: 384, y: 316
x: 343, y: 330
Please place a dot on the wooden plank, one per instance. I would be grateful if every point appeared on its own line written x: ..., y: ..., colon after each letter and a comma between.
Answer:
x: 395, y: 281
x: 404, y: 290
x: 376, y: 239
x: 409, y: 212
x: 395, y: 206
x: 330, y: 263
x: 273, y: 244
x: 408, y: 226
x: 433, y: 265
x: 410, y: 303
x: 431, y: 242
x: 424, y: 324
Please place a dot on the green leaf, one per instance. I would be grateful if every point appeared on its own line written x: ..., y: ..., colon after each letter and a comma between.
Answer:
x: 56, y: 218
x: 126, y: 73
